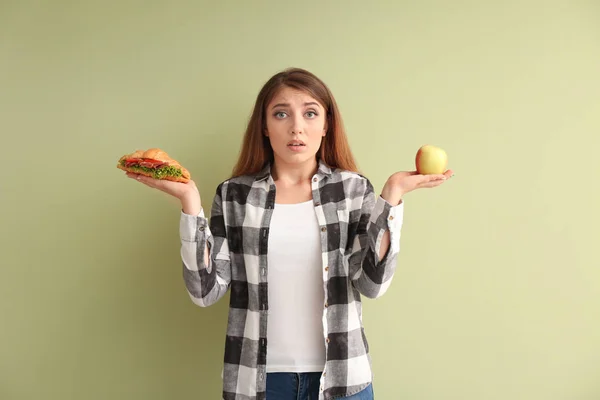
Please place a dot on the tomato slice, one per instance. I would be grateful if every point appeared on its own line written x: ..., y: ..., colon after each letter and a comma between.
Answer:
x: 151, y: 163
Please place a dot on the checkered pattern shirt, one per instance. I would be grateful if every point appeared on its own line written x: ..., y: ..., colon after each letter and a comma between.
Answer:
x: 352, y: 222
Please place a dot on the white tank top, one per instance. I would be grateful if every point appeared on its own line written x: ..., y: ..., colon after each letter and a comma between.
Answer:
x: 295, y: 340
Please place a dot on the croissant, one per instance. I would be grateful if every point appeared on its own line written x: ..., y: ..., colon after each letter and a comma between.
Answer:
x: 154, y: 163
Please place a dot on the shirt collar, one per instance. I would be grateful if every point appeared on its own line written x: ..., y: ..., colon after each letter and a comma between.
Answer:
x: 322, y: 170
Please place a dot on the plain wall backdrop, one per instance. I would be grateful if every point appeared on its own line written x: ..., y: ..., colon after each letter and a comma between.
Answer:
x: 497, y: 293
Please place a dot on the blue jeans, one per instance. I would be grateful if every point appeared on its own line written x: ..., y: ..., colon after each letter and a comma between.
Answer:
x: 303, y: 386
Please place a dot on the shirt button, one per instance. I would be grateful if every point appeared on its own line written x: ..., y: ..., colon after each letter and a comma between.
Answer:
x: 391, y: 217
x: 317, y: 204
x: 327, y: 268
x: 326, y: 305
x: 201, y: 228
x: 314, y: 180
x: 327, y: 340
x: 262, y: 271
x: 261, y: 376
x: 323, y: 229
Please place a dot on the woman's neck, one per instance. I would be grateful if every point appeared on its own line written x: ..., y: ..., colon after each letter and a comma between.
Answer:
x: 293, y: 174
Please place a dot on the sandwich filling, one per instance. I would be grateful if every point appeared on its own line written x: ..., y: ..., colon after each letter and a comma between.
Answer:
x: 157, y: 168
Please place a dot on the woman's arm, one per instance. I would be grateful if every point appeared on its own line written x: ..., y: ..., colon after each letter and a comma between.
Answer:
x: 394, y: 198
x: 205, y: 252
x: 376, y: 244
x: 204, y: 249
x: 379, y: 228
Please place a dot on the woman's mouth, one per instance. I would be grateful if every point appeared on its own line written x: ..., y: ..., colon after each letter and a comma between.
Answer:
x: 296, y: 145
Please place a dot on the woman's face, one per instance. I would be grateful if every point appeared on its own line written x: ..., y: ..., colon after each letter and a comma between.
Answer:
x: 296, y: 124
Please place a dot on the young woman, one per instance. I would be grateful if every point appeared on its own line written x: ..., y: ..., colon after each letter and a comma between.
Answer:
x: 298, y: 235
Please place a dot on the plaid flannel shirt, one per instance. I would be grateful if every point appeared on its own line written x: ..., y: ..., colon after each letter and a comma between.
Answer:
x: 352, y: 222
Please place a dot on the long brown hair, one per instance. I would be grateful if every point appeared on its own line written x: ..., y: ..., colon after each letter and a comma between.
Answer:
x: 256, y: 149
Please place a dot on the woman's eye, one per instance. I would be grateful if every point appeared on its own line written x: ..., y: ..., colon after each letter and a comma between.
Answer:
x: 311, y: 114
x: 280, y: 114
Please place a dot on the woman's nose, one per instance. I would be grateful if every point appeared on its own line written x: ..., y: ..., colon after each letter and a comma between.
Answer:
x: 297, y: 126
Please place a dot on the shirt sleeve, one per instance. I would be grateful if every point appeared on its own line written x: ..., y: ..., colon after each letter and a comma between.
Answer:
x: 206, y: 284
x: 370, y: 275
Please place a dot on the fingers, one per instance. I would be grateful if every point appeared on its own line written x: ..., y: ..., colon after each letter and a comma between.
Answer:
x: 430, y: 181
x: 141, y: 178
x: 434, y: 178
x: 438, y: 177
x: 432, y: 184
x: 133, y: 175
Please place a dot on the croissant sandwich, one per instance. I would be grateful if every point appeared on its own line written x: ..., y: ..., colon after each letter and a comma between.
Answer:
x: 154, y: 163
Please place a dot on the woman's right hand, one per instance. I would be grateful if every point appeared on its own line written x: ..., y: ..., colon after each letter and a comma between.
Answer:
x: 187, y: 193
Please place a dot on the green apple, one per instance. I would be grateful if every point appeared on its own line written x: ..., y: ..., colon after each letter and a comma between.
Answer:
x: 431, y: 160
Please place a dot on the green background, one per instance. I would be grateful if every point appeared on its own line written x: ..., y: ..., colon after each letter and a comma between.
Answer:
x: 497, y: 294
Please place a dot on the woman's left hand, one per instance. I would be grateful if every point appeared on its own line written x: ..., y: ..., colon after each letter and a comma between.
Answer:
x: 404, y: 182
